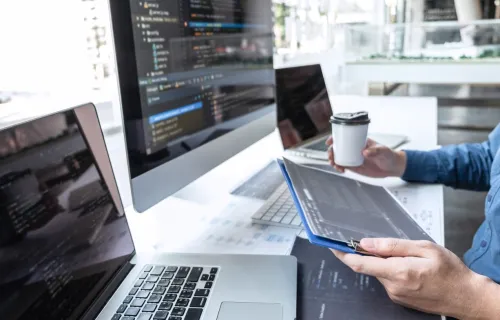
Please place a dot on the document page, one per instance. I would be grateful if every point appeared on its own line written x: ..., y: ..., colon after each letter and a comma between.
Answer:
x: 328, y: 289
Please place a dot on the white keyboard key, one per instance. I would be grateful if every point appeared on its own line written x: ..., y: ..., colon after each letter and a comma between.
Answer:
x: 267, y: 217
x: 287, y: 219
x: 296, y: 221
x: 291, y: 214
x: 277, y: 219
x: 259, y: 214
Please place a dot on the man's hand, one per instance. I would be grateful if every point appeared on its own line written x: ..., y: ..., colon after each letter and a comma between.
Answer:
x: 423, y: 276
x: 380, y: 161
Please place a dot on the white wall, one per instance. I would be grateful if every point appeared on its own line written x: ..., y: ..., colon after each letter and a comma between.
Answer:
x: 42, y: 46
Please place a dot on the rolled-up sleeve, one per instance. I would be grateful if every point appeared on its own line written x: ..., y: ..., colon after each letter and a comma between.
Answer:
x: 466, y: 166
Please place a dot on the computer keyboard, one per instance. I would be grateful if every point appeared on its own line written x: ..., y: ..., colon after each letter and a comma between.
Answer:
x: 319, y: 145
x: 168, y: 292
x: 279, y: 210
x: 262, y: 184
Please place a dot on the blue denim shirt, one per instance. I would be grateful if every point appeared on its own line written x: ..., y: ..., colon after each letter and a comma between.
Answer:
x: 471, y: 167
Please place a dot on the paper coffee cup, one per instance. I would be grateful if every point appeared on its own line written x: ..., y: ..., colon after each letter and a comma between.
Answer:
x: 350, y: 131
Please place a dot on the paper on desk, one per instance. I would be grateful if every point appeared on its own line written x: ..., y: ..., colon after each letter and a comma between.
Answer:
x: 425, y: 204
x: 232, y: 231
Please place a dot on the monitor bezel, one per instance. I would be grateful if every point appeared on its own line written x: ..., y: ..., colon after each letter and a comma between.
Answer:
x: 155, y: 185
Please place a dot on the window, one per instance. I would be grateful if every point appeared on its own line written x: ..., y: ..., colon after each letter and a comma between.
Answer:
x: 98, y: 39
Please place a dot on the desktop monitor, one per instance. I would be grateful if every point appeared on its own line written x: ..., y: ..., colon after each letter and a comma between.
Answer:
x: 197, y: 86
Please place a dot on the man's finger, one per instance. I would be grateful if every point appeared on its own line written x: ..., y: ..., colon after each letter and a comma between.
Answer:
x: 331, y: 159
x: 396, y: 247
x: 372, y: 266
x: 329, y: 141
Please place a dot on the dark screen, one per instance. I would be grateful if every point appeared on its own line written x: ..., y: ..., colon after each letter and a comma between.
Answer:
x: 343, y: 209
x: 63, y: 233
x: 304, y: 109
x: 201, y: 70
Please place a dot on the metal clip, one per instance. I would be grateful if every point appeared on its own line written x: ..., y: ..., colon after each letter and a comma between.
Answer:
x: 353, y: 244
x: 358, y: 249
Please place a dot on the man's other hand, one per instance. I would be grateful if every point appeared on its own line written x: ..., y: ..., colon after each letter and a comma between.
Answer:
x: 380, y: 161
x: 421, y: 275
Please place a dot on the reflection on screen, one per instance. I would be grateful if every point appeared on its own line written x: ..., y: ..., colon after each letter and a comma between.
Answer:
x: 62, y: 236
x: 304, y: 109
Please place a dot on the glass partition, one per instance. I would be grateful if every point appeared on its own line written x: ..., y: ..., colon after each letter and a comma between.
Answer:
x: 477, y: 41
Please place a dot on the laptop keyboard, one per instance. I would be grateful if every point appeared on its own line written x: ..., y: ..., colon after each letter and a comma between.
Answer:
x: 319, y: 145
x: 168, y: 293
x: 279, y: 210
x: 262, y: 184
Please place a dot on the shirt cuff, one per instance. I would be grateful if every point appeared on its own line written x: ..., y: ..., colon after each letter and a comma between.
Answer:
x: 420, y: 167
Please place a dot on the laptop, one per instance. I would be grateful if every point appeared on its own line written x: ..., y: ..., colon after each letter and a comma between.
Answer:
x: 66, y: 251
x: 304, y: 112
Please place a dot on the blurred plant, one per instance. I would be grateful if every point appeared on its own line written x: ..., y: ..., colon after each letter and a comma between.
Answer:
x: 281, y: 12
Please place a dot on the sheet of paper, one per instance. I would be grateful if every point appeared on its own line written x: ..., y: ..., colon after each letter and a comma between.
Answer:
x: 425, y: 205
x: 224, y: 227
x: 328, y: 289
x: 232, y: 231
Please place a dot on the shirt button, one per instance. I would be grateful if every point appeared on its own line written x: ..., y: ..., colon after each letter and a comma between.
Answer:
x: 489, y: 198
x: 484, y: 244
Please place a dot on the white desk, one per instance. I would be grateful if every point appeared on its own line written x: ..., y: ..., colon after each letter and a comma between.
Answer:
x: 204, y: 217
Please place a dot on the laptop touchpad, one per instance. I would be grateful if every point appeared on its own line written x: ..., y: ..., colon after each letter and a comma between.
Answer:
x: 250, y: 311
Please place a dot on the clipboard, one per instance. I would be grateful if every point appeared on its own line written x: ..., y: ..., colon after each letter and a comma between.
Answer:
x: 406, y: 227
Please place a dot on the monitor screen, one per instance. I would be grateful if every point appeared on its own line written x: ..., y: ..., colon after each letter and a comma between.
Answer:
x: 202, y: 69
x: 304, y: 108
x: 63, y: 232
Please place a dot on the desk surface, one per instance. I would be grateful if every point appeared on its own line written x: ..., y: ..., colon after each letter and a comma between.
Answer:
x: 204, y: 217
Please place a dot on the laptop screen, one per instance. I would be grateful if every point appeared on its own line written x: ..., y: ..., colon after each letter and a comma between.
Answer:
x: 304, y: 108
x: 63, y: 232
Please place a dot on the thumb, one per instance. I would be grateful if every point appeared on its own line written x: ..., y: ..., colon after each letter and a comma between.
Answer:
x: 329, y: 141
x: 394, y: 247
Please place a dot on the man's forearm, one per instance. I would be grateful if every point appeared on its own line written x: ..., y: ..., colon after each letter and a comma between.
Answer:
x: 465, y: 166
x: 484, y: 301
